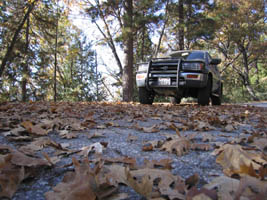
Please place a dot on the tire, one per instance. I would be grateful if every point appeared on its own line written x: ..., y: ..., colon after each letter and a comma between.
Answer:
x: 175, y: 100
x: 204, y: 94
x: 145, y: 97
x: 217, y: 100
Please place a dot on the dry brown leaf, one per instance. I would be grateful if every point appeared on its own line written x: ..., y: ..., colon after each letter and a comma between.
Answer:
x: 18, y: 131
x: 10, y: 176
x: 40, y: 143
x: 261, y: 144
x: 164, y: 178
x: 142, y: 186
x: 116, y: 174
x: 207, y: 137
x: 80, y: 187
x: 200, y: 147
x: 95, y: 148
x: 67, y: 134
x: 120, y: 196
x: 225, y: 186
x: 201, y: 194
x: 96, y: 135
x: 147, y: 147
x: 203, y: 126
x: 34, y: 129
x: 192, y: 180
x: 152, y: 129
x: 163, y: 164
x: 229, y: 128
x: 234, y: 159
x: 21, y: 159
x: 174, y: 127
x: 51, y: 160
x: 258, y: 188
x: 179, y: 146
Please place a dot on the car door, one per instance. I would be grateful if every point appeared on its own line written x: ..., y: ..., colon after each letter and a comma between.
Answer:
x: 215, y: 73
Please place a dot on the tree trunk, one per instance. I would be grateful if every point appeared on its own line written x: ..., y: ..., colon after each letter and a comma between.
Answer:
x: 181, y: 24
x: 55, y: 67
x: 128, y: 42
x: 246, y: 78
x: 25, y: 71
x: 7, y: 56
x: 188, y: 23
x: 162, y: 30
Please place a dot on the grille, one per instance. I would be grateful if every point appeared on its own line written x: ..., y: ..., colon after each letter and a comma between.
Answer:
x: 163, y: 69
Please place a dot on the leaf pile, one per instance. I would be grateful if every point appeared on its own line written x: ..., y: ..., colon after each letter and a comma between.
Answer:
x: 44, y: 136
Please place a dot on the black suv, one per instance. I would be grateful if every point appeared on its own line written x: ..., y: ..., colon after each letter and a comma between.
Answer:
x: 181, y: 74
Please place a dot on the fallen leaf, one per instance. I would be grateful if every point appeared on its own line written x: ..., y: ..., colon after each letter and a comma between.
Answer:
x: 96, y: 135
x: 200, y: 147
x: 179, y: 146
x: 162, y: 164
x: 207, y: 137
x: 95, y: 148
x: 80, y: 187
x: 202, y: 126
x: 201, y: 194
x: 225, y: 186
x: 192, y: 180
x: 152, y: 129
x: 67, y: 134
x: 261, y: 144
x: 234, y: 159
x: 258, y: 188
x: 34, y: 129
x: 229, y: 128
x: 10, y: 176
x: 142, y: 186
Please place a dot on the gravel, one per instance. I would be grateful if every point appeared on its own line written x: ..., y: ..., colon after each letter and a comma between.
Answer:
x: 202, y: 163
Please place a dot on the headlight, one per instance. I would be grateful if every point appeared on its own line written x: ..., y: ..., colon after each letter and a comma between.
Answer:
x: 193, y: 66
x: 143, y: 67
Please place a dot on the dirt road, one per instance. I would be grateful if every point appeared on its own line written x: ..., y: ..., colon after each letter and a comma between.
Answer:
x: 129, y: 134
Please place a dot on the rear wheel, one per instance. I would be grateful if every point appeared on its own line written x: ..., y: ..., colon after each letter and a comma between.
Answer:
x: 217, y: 100
x: 204, y: 94
x: 145, y: 96
x: 175, y: 100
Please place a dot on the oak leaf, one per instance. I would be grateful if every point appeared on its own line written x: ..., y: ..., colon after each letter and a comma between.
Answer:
x: 10, y: 176
x: 79, y: 187
x: 179, y: 146
x: 34, y: 129
x: 143, y: 186
x: 235, y: 160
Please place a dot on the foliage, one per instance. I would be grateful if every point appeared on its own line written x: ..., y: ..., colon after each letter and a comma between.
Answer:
x: 76, y: 72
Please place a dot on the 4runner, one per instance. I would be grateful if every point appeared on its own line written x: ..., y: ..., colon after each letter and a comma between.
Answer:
x: 181, y: 74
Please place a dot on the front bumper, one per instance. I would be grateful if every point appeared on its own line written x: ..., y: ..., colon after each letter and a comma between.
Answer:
x: 186, y: 80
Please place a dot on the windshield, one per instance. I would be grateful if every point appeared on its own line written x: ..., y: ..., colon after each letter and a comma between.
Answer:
x: 195, y: 55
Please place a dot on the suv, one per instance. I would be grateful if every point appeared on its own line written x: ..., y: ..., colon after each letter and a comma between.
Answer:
x: 181, y: 74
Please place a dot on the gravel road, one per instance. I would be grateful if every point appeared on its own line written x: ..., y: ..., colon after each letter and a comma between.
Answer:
x: 123, y: 128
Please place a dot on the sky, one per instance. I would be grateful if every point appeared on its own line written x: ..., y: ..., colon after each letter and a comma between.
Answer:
x: 105, y: 58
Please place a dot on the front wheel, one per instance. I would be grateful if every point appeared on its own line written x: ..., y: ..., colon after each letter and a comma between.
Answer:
x: 204, y: 94
x: 217, y: 100
x: 175, y: 100
x: 145, y: 96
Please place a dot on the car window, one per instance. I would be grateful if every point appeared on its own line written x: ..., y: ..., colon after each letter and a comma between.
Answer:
x: 209, y: 58
x: 189, y: 55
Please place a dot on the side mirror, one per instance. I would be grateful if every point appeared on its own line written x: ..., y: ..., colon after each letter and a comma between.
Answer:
x: 215, y: 61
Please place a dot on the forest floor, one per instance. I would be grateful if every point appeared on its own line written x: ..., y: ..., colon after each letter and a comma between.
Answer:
x: 132, y: 151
